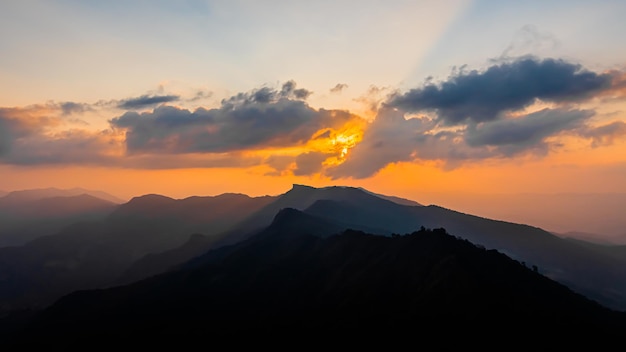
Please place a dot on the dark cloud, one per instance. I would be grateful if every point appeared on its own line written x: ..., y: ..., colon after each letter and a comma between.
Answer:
x: 517, y: 134
x: 200, y: 95
x: 479, y: 96
x: 604, y: 135
x: 262, y: 118
x: 338, y: 88
x: 69, y: 108
x: 146, y: 101
x: 267, y: 95
x: 289, y: 91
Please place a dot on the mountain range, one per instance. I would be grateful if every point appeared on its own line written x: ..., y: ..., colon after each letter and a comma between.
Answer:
x: 29, y: 214
x: 334, y: 257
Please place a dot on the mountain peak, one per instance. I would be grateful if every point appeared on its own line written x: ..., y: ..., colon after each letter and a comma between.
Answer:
x: 297, y: 186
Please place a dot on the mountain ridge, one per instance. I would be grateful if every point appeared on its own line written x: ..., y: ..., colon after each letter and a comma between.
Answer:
x: 284, y: 280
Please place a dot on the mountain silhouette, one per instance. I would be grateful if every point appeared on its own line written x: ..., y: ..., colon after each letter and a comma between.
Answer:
x: 93, y: 254
x: 27, y: 215
x: 295, y: 280
x: 593, y: 271
x: 41, y: 193
x: 154, y: 234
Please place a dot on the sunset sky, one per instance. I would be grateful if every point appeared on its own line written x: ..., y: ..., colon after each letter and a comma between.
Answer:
x: 401, y: 97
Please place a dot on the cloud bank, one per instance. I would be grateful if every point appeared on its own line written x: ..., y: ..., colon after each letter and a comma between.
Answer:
x: 514, y: 107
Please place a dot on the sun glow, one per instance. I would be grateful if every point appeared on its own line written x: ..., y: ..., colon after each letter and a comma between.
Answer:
x: 339, y: 143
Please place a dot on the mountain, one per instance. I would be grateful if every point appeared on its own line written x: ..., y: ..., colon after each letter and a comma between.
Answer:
x: 384, y: 209
x: 93, y: 254
x: 586, y: 213
x: 41, y: 193
x: 594, y: 238
x: 197, y: 245
x: 398, y: 200
x: 597, y: 272
x: 301, y: 197
x: 27, y: 215
x: 154, y: 234
x: 295, y: 281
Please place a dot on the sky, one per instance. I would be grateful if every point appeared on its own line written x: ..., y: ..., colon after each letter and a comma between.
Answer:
x: 403, y: 98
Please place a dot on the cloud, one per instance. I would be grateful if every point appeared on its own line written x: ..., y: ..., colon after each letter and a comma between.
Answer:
x: 67, y: 147
x: 31, y: 135
x: 17, y: 123
x: 373, y: 98
x: 309, y: 163
x: 266, y: 95
x: 605, y: 134
x: 480, y: 96
x: 389, y: 138
x: 70, y: 108
x: 146, y: 101
x: 472, y: 115
x: 338, y: 88
x: 289, y: 91
x: 513, y: 135
x: 392, y: 138
x: 200, y: 95
x: 264, y: 117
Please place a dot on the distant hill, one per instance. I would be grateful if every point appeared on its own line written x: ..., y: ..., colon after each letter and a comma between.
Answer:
x: 593, y: 237
x: 591, y: 213
x: 93, y: 254
x: 27, y: 215
x: 289, y: 281
x: 40, y: 193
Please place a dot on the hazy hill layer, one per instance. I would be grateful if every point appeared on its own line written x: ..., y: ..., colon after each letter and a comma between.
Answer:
x: 27, y: 215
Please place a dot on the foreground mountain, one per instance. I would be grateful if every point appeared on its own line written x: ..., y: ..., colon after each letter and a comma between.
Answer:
x: 296, y: 280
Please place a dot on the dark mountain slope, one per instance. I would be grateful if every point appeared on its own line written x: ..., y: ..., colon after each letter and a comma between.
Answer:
x: 427, y: 287
x: 598, y: 272
x: 198, y: 245
x: 347, y: 214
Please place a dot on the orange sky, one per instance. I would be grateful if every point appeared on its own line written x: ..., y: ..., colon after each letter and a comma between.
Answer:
x: 318, y: 95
